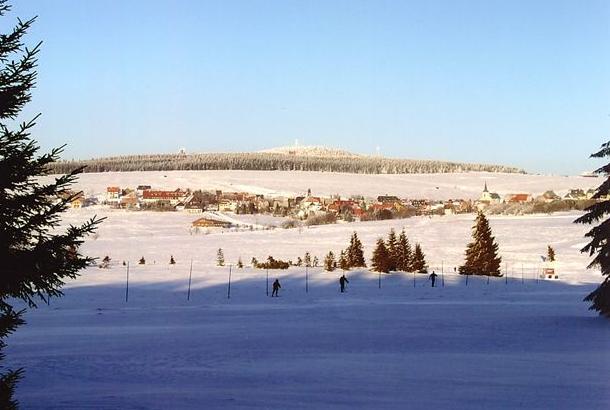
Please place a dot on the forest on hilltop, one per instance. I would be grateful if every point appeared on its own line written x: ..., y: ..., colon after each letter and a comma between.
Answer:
x: 270, y: 162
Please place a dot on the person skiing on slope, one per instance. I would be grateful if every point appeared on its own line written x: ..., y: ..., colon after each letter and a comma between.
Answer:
x: 433, y: 277
x: 276, y: 288
x: 342, y: 281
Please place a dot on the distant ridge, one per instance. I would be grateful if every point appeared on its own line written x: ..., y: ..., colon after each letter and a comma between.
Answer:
x: 311, y: 151
x: 277, y: 159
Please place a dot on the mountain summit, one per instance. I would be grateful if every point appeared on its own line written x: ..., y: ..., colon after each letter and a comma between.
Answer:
x: 311, y: 151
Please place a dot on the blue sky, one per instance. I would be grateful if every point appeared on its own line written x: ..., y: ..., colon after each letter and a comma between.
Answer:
x: 525, y: 83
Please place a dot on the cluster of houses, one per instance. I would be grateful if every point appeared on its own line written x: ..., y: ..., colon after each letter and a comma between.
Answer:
x: 303, y: 207
x: 490, y: 198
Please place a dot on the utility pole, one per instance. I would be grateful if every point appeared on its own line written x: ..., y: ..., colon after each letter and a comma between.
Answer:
x: 127, y: 284
x: 188, y: 295
x: 229, y: 288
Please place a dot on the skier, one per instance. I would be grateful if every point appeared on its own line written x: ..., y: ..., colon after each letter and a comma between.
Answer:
x: 433, y: 277
x: 276, y: 288
x: 342, y: 281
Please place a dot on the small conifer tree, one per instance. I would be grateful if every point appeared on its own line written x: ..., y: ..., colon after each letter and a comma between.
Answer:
x: 355, y: 254
x: 142, y: 261
x: 381, y: 257
x: 307, y: 259
x: 315, y: 262
x: 343, y: 262
x: 419, y: 264
x: 403, y: 261
x: 172, y: 261
x: 550, y: 253
x: 240, y: 264
x: 392, y: 247
x: 329, y: 262
x: 482, y: 253
x: 105, y: 262
x: 220, y: 257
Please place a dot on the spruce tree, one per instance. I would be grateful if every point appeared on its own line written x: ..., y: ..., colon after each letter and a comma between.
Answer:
x: 240, y: 264
x: 482, y: 253
x: 392, y: 248
x: 403, y: 262
x: 600, y: 237
x: 381, y: 257
x: 329, y: 262
x: 419, y: 260
x: 307, y: 259
x: 142, y: 261
x: 355, y: 254
x: 550, y: 253
x: 36, y: 256
x: 220, y: 257
x: 172, y: 261
x: 343, y: 262
x: 315, y: 262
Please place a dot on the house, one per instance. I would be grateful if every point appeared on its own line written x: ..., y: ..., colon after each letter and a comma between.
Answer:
x: 130, y: 200
x: 388, y: 198
x: 311, y: 204
x: 548, y: 196
x: 78, y: 201
x: 141, y: 188
x: 210, y: 223
x: 113, y: 194
x: 227, y: 205
x: 173, y: 197
x: 517, y: 198
x: 576, y: 194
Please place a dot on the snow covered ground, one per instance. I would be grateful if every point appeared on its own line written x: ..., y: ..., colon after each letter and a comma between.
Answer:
x: 506, y: 344
x: 275, y: 183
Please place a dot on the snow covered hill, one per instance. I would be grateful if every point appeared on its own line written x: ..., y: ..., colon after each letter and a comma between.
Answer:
x: 467, y: 185
x: 311, y: 151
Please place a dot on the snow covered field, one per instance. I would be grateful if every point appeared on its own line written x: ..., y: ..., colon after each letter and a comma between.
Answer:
x: 520, y: 343
x: 430, y: 186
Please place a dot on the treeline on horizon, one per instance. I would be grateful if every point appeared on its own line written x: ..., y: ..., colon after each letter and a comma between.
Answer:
x: 272, y: 162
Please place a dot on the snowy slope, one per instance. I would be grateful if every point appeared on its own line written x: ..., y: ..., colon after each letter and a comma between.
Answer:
x: 431, y: 186
x: 520, y: 343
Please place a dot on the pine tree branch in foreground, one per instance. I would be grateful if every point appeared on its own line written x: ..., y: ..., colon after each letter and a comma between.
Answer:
x: 37, y: 257
x: 600, y: 238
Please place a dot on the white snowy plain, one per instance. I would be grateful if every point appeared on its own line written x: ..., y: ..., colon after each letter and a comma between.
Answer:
x: 467, y: 185
x: 507, y: 344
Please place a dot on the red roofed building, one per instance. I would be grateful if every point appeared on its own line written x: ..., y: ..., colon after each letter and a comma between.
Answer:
x: 113, y: 193
x: 518, y: 198
x: 173, y: 197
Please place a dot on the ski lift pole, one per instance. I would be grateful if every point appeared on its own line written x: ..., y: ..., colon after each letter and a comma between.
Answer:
x: 522, y: 274
x: 127, y: 285
x: 306, y: 280
x: 267, y: 286
x: 379, y: 279
x: 229, y: 287
x: 443, y: 274
x: 188, y: 294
